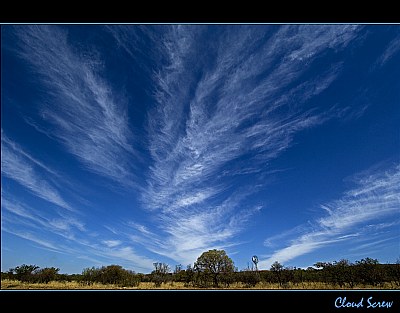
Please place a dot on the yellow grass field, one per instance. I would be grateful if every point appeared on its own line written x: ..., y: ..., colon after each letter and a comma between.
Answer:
x: 55, y: 285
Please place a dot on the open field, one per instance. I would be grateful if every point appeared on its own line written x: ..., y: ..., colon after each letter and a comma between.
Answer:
x: 55, y: 285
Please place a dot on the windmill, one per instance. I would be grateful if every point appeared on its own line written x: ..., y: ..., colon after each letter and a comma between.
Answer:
x: 254, y: 258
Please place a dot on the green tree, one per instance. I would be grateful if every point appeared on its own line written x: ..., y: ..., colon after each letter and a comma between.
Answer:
x: 89, y: 275
x: 160, y: 273
x: 179, y: 273
x: 369, y: 271
x: 128, y: 278
x: 47, y: 274
x: 112, y: 274
x: 24, y: 272
x: 342, y: 273
x: 325, y: 271
x: 249, y: 278
x: 188, y: 275
x: 214, y: 264
x: 277, y: 269
x: 287, y: 276
x: 394, y: 272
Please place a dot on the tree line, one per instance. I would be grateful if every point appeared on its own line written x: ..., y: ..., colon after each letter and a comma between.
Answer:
x: 215, y: 269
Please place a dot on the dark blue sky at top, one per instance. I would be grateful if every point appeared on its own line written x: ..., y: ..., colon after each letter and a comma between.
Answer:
x: 134, y: 144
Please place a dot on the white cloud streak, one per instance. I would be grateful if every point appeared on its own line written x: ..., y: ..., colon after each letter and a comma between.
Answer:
x: 125, y: 255
x: 249, y: 102
x: 391, y: 50
x: 20, y: 167
x: 376, y: 196
x: 87, y: 115
x: 129, y: 256
x: 45, y: 244
x: 54, y: 222
x: 67, y: 235
x: 112, y: 243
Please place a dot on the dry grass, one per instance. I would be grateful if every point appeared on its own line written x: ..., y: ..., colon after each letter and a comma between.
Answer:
x: 55, y: 285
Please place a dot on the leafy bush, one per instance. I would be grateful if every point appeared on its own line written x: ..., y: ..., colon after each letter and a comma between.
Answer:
x: 249, y: 278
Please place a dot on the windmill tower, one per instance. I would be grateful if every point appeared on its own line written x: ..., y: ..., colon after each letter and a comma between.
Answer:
x: 254, y: 258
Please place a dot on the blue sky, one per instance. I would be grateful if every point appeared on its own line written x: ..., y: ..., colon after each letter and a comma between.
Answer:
x: 135, y: 144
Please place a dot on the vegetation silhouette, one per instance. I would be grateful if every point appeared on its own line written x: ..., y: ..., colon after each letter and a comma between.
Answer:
x: 215, y: 269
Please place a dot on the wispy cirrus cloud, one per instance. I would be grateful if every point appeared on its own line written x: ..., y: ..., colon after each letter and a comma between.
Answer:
x: 391, y: 50
x: 67, y: 235
x: 112, y: 243
x: 105, y: 254
x: 45, y: 225
x: 87, y: 116
x: 32, y: 237
x: 249, y: 103
x: 376, y: 196
x: 56, y: 223
x: 128, y: 255
x: 20, y: 167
